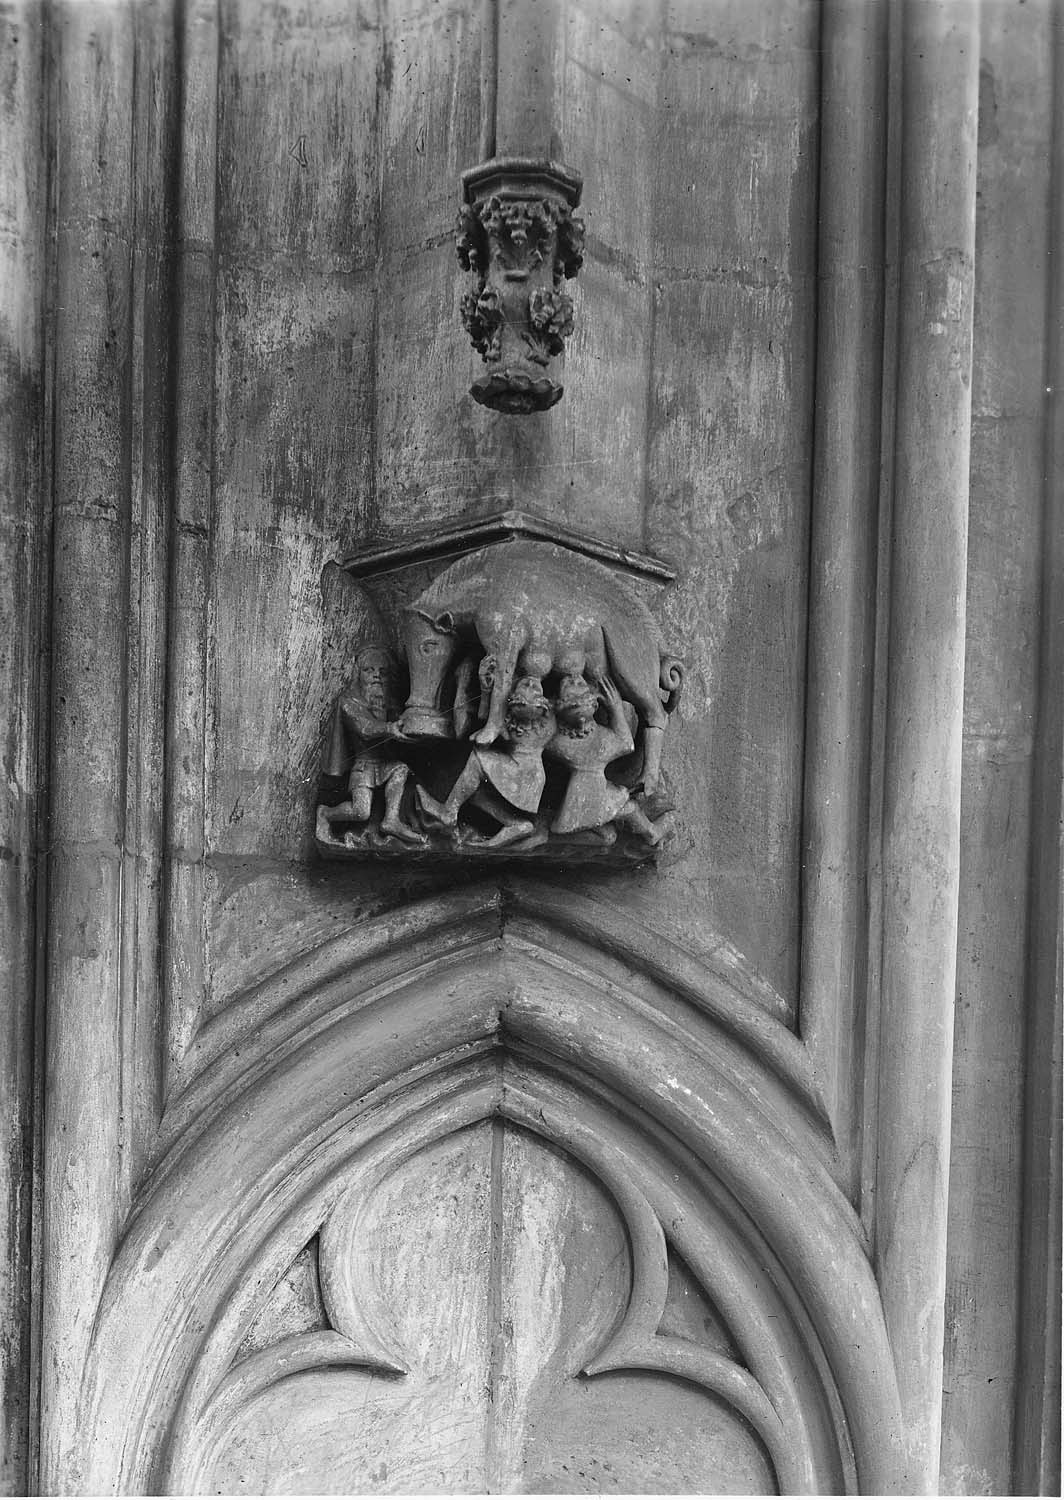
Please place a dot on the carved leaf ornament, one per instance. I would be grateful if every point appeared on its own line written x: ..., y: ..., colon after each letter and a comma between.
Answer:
x: 536, y: 1071
x: 519, y: 238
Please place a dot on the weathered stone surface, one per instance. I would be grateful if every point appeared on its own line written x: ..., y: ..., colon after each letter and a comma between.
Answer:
x: 548, y: 1255
x: 343, y: 1051
x: 23, y: 450
x: 328, y: 1147
x: 984, y: 1263
x: 838, y: 836
x: 922, y: 767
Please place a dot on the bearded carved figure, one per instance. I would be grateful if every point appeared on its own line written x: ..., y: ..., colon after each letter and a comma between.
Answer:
x: 360, y: 747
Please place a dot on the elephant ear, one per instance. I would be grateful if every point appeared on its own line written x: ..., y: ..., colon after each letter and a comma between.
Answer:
x: 443, y: 622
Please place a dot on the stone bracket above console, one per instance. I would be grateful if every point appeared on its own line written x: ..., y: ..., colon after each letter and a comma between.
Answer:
x: 500, y: 526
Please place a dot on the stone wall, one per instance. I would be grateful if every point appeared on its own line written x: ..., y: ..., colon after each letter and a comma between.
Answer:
x: 813, y: 372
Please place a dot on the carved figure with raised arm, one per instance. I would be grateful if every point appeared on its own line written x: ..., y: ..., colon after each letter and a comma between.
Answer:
x: 505, y: 780
x: 587, y: 747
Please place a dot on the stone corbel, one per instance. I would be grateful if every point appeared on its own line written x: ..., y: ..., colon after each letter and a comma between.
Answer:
x: 518, y: 704
x: 524, y: 711
x: 519, y: 237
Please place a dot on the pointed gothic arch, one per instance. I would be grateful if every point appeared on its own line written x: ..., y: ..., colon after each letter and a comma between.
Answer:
x: 682, y: 1115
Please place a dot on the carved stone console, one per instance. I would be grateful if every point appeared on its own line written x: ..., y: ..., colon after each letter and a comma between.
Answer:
x: 518, y: 235
x: 524, y: 714
x: 517, y: 705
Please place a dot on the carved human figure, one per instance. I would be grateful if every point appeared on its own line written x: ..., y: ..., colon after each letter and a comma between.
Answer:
x: 505, y: 780
x: 587, y: 748
x: 363, y: 725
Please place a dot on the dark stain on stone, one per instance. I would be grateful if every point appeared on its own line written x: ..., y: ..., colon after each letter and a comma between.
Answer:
x: 988, y: 120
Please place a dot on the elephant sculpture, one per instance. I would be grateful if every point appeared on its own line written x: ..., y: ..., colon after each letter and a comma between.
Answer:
x: 530, y: 609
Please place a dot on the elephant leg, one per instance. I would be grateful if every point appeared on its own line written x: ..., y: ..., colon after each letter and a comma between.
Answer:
x: 653, y: 739
x: 653, y: 720
x: 596, y: 658
x: 640, y: 688
x: 466, y: 699
x: 502, y: 669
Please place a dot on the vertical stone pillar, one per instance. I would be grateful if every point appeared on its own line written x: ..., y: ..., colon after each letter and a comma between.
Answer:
x: 188, y: 638
x: 526, y: 111
x: 925, y: 677
x: 23, y: 195
x: 1037, y: 1433
x: 843, y: 553
x: 89, y: 708
x: 1012, y: 318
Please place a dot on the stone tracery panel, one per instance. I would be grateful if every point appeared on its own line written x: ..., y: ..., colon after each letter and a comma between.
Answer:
x: 550, y: 1257
x: 324, y: 1093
